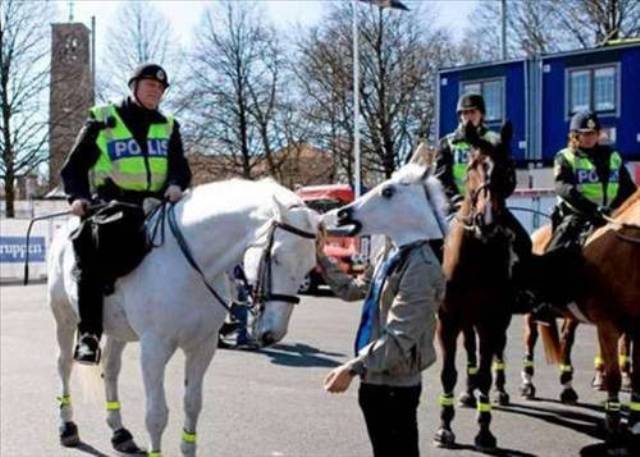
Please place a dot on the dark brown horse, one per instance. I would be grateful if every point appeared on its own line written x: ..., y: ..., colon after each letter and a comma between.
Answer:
x: 610, y: 299
x: 477, y: 267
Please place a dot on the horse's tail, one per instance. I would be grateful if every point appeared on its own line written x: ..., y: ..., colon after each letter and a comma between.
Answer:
x: 551, y: 342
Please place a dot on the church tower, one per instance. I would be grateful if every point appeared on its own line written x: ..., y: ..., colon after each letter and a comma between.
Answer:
x: 71, y: 91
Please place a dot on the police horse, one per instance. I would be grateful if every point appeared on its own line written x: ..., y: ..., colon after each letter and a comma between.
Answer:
x: 165, y: 305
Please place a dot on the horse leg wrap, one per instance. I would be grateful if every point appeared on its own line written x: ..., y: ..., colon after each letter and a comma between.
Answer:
x: 447, y: 411
x: 634, y: 414
x: 566, y: 375
x: 612, y: 418
x: 527, y: 368
x: 484, y: 411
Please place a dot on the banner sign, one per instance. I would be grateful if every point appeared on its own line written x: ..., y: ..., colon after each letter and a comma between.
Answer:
x: 13, y: 249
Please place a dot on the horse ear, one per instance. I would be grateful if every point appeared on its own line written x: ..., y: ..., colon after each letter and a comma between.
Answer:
x: 506, y: 132
x: 423, y: 155
x: 279, y: 210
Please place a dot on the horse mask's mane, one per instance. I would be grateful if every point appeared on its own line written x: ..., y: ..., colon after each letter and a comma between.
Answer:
x: 415, y: 174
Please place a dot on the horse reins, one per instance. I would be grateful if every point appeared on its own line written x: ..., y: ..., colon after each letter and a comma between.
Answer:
x: 264, y: 282
x: 261, y: 292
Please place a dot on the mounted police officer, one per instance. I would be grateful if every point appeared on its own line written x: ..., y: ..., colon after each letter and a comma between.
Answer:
x: 125, y: 152
x: 451, y: 163
x: 590, y: 181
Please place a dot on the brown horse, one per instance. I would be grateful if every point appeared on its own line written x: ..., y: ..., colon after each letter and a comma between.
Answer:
x: 610, y: 299
x: 476, y: 264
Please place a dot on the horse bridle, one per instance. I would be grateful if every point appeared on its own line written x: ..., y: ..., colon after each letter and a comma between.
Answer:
x: 263, y: 288
x: 471, y: 221
x: 261, y: 292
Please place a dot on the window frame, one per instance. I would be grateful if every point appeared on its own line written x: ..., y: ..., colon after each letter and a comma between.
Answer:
x: 482, y: 82
x: 615, y: 112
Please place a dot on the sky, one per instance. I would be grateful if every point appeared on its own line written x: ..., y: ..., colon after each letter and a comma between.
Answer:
x: 185, y: 14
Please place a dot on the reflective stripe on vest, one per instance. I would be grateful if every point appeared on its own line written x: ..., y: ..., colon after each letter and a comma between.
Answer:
x: 587, y: 180
x: 460, y: 151
x: 121, y: 157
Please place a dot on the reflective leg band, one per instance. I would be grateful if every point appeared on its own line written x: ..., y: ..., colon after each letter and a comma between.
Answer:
x: 113, y: 406
x: 598, y: 362
x: 612, y: 406
x: 634, y: 406
x: 154, y: 454
x: 445, y: 400
x: 623, y: 360
x: 566, y: 368
x: 188, y: 437
x: 484, y: 407
x: 527, y: 363
x: 65, y: 400
x: 497, y: 366
x: 472, y: 370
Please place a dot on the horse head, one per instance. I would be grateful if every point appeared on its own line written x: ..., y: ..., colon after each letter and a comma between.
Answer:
x: 409, y: 206
x: 276, y: 268
x: 489, y: 180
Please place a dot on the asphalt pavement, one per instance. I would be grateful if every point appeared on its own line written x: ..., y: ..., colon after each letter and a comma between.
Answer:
x: 271, y: 403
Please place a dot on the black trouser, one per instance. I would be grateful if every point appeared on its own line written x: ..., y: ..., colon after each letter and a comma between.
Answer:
x: 109, y: 245
x: 390, y: 414
x: 571, y: 232
x: 90, y: 280
x: 521, y: 240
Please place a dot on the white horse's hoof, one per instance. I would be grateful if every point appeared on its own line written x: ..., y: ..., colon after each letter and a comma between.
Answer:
x: 69, y: 436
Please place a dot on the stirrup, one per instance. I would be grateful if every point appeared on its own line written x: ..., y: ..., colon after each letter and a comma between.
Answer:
x: 87, y: 350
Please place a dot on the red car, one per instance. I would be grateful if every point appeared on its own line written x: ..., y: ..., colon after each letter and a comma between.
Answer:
x: 347, y: 251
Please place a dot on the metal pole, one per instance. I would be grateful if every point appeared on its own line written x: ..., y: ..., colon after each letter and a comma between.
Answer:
x: 356, y: 103
x: 93, y: 58
x: 503, y: 35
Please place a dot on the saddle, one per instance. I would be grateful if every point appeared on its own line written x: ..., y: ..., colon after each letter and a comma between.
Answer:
x: 111, y: 242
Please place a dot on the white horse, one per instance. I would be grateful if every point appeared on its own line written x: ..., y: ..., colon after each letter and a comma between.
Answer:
x: 408, y: 207
x: 165, y: 305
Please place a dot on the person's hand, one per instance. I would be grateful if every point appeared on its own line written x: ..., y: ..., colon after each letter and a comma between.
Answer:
x: 321, y: 241
x: 79, y: 207
x: 173, y: 193
x: 338, y: 380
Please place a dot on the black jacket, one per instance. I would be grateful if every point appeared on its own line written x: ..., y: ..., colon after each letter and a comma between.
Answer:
x: 84, y: 154
x: 567, y: 189
x: 506, y: 176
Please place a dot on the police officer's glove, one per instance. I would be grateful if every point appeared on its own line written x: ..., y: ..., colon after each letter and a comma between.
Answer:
x: 173, y: 193
x: 79, y: 207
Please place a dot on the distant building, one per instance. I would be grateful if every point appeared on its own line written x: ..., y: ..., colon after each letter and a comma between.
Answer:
x: 296, y: 165
x: 540, y: 94
x: 71, y: 91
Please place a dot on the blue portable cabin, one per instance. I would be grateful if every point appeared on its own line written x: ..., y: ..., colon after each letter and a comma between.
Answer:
x: 539, y: 94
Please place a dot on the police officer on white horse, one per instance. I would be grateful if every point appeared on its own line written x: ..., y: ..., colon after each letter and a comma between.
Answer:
x: 125, y: 152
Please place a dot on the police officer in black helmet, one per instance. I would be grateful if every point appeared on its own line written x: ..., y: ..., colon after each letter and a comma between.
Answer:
x: 452, y: 159
x: 125, y: 152
x: 590, y: 181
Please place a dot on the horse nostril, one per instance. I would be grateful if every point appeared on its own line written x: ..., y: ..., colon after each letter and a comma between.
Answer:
x: 344, y: 214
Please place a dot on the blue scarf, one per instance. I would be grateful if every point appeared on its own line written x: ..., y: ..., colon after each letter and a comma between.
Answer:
x: 370, y: 304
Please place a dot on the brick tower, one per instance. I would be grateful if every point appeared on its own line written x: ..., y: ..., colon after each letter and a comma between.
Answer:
x: 71, y: 91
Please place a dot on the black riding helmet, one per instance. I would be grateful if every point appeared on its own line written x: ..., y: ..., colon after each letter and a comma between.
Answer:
x: 585, y: 121
x: 149, y: 71
x: 471, y: 101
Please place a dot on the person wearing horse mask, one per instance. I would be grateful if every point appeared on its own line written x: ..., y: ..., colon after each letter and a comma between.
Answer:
x: 591, y: 180
x: 451, y: 161
x: 402, y: 291
x: 125, y: 152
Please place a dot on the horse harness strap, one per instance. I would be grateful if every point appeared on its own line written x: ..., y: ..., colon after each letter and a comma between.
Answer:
x: 263, y: 290
x: 188, y: 255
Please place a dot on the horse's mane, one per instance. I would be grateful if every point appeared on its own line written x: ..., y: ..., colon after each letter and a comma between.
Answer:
x: 413, y: 173
x: 627, y: 203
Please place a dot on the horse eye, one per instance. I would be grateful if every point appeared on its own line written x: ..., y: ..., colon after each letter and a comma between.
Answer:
x: 387, y: 192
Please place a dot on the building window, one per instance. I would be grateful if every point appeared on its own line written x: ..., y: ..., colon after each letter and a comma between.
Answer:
x: 493, y: 93
x: 593, y: 89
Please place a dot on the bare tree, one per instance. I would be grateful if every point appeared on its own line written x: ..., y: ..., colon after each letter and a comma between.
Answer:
x: 142, y: 34
x: 24, y: 78
x: 237, y: 89
x: 543, y: 26
x: 589, y: 23
x: 399, y: 55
